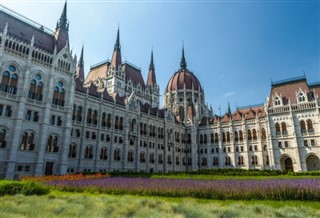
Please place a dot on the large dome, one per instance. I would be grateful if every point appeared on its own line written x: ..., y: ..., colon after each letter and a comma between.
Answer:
x: 183, y: 79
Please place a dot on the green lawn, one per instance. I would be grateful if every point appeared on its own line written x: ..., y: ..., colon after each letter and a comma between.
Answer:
x: 62, y: 204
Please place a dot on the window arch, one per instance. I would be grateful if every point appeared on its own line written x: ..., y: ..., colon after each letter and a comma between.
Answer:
x: 95, y: 117
x: 142, y: 157
x: 301, y: 97
x: 52, y: 144
x: 310, y: 126
x: 151, y: 157
x: 130, y: 156
x: 228, y: 136
x: 109, y: 120
x: 240, y: 161
x: 9, y: 80
x: 223, y: 137
x: 228, y: 161
x: 249, y: 135
x: 277, y: 101
x: 240, y: 135
x: 104, y: 120
x: 79, y: 114
x: 236, y: 136
x: 88, y: 152
x: 116, y: 154
x: 263, y: 134
x: 36, y: 88
x: 3, y: 138
x: 201, y: 139
x: 27, y: 141
x: 215, y: 161
x: 254, y: 134
x: 303, y: 126
x: 89, y: 116
x: 104, y: 153
x: 278, y: 130
x: 160, y: 159
x: 58, y: 94
x: 284, y: 128
x: 216, y: 137
x: 169, y: 159
x: 72, y: 150
x: 133, y: 125
x: 254, y: 160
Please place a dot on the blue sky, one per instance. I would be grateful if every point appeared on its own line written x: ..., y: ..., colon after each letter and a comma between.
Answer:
x: 235, y: 48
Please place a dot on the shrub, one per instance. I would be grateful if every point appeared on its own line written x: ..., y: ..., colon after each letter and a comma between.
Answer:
x: 10, y: 188
x: 34, y: 188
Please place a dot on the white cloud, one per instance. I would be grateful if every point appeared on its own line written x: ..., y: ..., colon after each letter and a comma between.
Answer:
x: 228, y: 94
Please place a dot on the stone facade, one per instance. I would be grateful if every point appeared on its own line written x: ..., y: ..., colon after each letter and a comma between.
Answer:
x: 55, y: 121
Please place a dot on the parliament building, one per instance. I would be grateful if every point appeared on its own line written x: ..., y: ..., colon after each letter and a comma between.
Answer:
x: 54, y: 120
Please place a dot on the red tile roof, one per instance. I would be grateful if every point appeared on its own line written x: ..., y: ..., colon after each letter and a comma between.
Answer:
x: 133, y: 74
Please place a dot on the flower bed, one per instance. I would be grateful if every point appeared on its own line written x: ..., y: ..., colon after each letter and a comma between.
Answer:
x: 69, y: 177
x: 268, y: 189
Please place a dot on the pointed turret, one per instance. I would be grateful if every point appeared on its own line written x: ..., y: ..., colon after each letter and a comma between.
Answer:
x: 63, y: 22
x: 116, y: 56
x: 80, y: 67
x: 151, y: 81
x: 61, y: 35
x: 183, y: 63
x: 229, y: 109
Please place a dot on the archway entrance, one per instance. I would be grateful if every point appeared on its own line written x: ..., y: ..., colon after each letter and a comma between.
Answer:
x: 313, y: 163
x: 286, y: 163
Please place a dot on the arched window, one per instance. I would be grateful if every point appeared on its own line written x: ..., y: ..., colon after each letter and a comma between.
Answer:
x: 35, y: 88
x: 58, y: 94
x: 72, y: 150
x: 177, y: 160
x: 310, y: 126
x: 240, y: 135
x: 236, y: 136
x: 116, y: 155
x: 109, y: 121
x: 204, y: 161
x: 189, y: 138
x: 89, y: 116
x: 201, y: 139
x: 240, y: 161
x: 205, y: 140
x: 223, y: 137
x: 2, y: 138
x: 142, y: 157
x: 104, y: 153
x: 79, y: 114
x: 228, y: 161
x: 184, y: 162
x: 95, y: 117
x: 104, y: 120
x: 284, y: 128
x: 277, y: 101
x: 301, y: 97
x: 303, y: 126
x: 27, y: 141
x: 249, y: 135
x: 88, y: 152
x: 151, y: 158
x: 116, y: 122
x: 52, y: 144
x: 215, y: 161
x: 121, y: 123
x: 160, y: 159
x: 130, y: 156
x: 216, y: 137
x: 278, y: 131
x: 263, y: 134
x: 133, y: 125
x: 254, y: 134
x: 169, y: 159
x: 211, y: 138
x: 254, y: 160
x: 228, y: 136
x: 9, y: 80
x: 74, y: 112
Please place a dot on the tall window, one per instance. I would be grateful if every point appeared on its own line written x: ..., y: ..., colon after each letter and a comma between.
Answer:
x: 103, y: 153
x: 58, y: 94
x: 277, y: 101
x: 95, y: 117
x: 151, y: 158
x: 249, y: 135
x: 89, y: 116
x: 52, y: 144
x: 27, y: 141
x: 109, y: 121
x: 301, y: 97
x: 142, y: 157
x: 303, y: 126
x: 236, y: 137
x: 36, y: 87
x: 116, y: 155
x: 72, y: 150
x: 169, y: 159
x: 130, y: 156
x: 215, y: 161
x: 284, y: 128
x: 2, y: 138
x: 9, y: 80
x: 228, y: 136
x: 254, y: 160
x: 160, y: 159
x: 254, y: 134
x: 240, y: 161
x: 263, y: 134
x: 104, y: 120
x: 228, y: 161
x: 278, y: 130
x: 310, y: 126
x: 223, y: 137
x: 240, y: 135
x: 204, y: 161
x: 88, y: 152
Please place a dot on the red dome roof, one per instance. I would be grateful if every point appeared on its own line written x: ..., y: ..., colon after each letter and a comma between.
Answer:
x: 183, y: 78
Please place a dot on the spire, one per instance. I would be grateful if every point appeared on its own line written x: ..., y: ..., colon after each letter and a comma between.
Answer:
x: 183, y: 63
x: 80, y: 67
x: 151, y: 81
x: 116, y: 56
x: 63, y: 22
x: 229, y: 109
